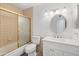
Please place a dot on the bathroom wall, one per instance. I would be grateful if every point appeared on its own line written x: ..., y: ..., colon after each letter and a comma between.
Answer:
x: 8, y: 32
x: 41, y: 23
x: 28, y: 12
x: 11, y: 8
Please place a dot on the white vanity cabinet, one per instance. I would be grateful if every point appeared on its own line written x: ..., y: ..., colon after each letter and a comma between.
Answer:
x: 56, y: 52
x: 52, y: 48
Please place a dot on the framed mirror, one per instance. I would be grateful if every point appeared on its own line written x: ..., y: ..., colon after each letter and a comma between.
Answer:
x: 58, y: 24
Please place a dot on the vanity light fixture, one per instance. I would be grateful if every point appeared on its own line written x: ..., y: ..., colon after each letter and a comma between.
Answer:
x: 56, y: 11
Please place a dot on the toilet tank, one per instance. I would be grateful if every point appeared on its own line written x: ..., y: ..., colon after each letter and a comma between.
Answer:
x: 36, y: 39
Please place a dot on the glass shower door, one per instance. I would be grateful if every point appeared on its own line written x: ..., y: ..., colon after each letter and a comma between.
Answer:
x: 23, y: 30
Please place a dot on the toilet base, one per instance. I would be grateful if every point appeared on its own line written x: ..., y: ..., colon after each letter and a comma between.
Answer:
x: 32, y: 54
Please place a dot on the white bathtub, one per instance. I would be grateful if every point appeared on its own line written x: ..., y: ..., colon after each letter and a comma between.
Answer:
x: 19, y: 51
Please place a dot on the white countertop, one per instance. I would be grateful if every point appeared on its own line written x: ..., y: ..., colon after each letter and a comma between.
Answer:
x: 62, y: 40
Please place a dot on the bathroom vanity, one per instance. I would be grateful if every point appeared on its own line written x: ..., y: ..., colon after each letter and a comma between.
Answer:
x: 60, y: 47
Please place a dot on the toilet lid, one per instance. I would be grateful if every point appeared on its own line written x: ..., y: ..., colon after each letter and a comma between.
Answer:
x: 30, y: 48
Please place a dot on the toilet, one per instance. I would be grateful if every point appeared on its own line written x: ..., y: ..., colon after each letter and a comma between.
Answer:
x: 30, y: 49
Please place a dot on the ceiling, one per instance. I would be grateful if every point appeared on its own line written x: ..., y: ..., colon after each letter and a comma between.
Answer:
x: 23, y: 6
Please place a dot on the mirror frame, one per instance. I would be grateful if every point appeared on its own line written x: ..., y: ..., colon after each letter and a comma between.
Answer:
x: 56, y: 20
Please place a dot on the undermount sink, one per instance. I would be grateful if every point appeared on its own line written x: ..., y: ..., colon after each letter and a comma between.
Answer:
x: 62, y: 40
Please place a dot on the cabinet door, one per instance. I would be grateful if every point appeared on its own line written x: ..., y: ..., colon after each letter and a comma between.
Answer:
x: 8, y: 32
x: 23, y: 24
x: 46, y: 49
x: 59, y: 52
x: 56, y: 52
x: 52, y: 52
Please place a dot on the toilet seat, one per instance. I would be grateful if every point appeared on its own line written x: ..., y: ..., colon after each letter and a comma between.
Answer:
x: 30, y: 48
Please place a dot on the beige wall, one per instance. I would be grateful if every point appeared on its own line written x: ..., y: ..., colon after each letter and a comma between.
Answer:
x: 8, y: 32
x: 10, y: 8
x: 28, y: 12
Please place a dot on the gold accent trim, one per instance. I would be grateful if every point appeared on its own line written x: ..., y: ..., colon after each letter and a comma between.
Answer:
x: 10, y: 11
x: 17, y: 33
x: 30, y: 25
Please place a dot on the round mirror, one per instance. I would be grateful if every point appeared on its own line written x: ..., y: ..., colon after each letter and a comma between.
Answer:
x: 58, y: 24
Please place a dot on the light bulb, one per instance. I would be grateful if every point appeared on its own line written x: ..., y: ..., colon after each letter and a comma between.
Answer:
x: 64, y: 10
x: 46, y: 13
x: 57, y: 11
x: 51, y: 13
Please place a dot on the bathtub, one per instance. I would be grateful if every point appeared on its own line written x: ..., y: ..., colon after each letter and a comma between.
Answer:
x: 17, y: 52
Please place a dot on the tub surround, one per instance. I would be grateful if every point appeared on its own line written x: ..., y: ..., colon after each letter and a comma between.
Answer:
x: 10, y: 29
x: 17, y: 52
